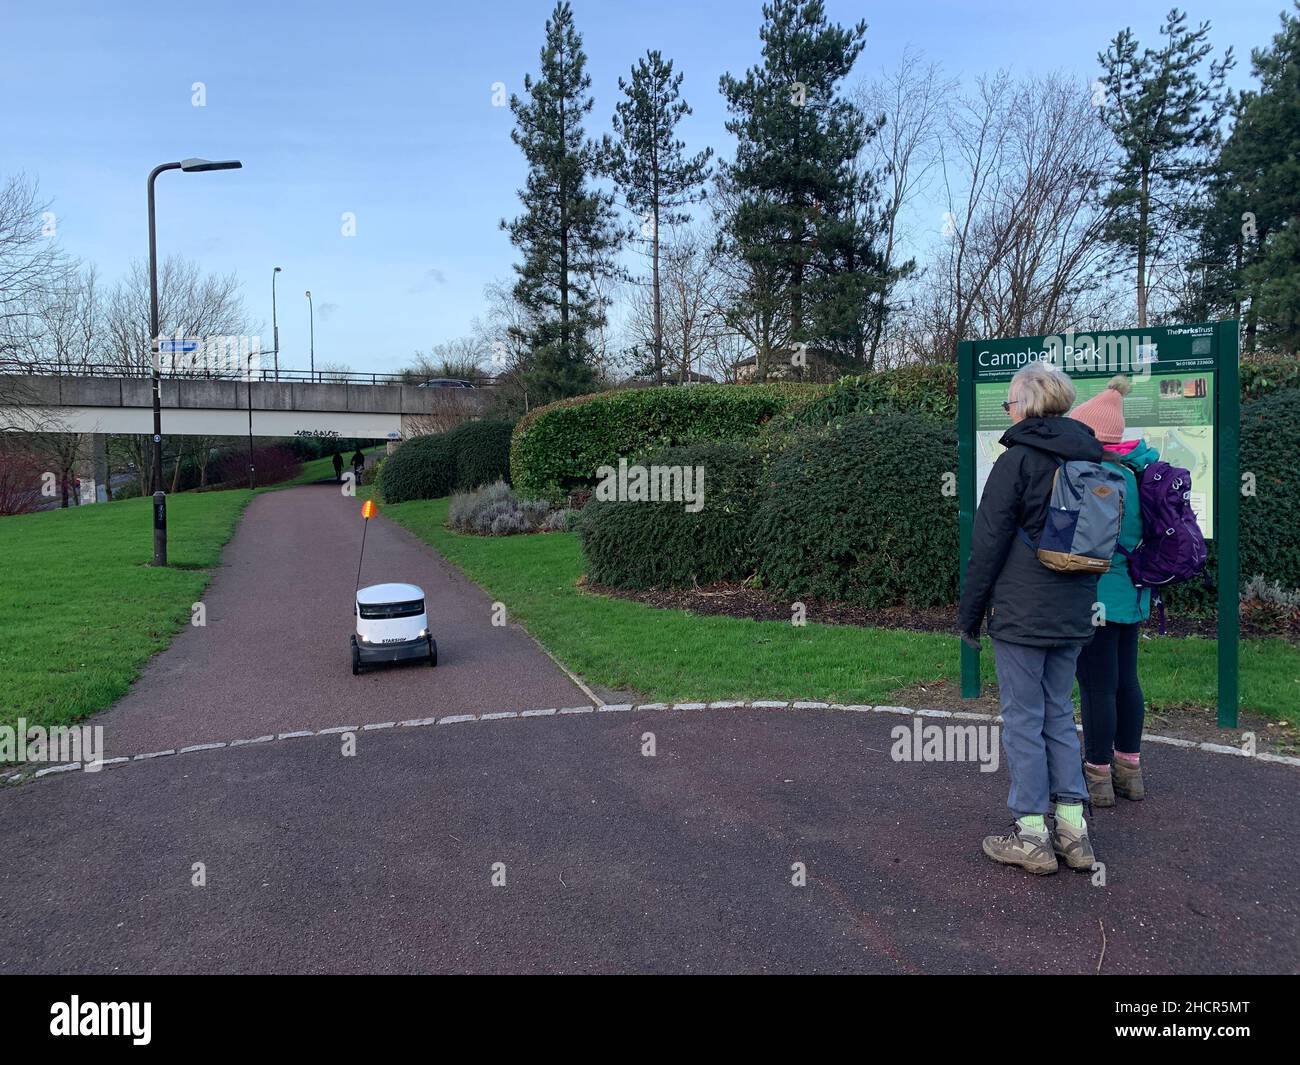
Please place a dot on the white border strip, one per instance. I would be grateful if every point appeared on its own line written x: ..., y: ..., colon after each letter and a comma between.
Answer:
x: 33, y: 772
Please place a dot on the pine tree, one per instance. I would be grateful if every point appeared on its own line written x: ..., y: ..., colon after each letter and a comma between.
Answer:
x: 1250, y: 236
x: 566, y: 232
x: 649, y: 168
x: 1164, y: 115
x: 801, y: 215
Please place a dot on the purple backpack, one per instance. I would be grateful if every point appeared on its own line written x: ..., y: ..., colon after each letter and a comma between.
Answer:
x: 1172, y: 548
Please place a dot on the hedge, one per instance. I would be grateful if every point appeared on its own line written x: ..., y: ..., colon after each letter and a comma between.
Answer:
x: 421, y: 468
x: 630, y: 544
x: 1270, y: 518
x: 429, y: 467
x: 920, y: 389
x: 482, y: 453
x: 860, y: 513
x: 558, y: 448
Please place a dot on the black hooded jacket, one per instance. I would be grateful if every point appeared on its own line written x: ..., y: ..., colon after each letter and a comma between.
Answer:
x: 1026, y: 602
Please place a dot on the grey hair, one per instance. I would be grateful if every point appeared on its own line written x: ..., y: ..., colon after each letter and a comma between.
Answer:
x: 1042, y: 390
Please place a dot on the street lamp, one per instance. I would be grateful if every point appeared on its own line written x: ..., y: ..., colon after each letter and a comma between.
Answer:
x: 190, y: 166
x: 252, y: 483
x: 275, y: 329
x: 311, y: 311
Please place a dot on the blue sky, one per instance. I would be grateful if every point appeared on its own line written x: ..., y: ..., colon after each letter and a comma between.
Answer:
x: 383, y: 109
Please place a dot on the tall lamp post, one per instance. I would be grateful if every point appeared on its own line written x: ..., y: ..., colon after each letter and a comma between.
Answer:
x: 275, y: 329
x: 252, y: 480
x: 190, y: 166
x: 311, y: 312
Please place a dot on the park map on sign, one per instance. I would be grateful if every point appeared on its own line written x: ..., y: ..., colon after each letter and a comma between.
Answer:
x: 1171, y: 407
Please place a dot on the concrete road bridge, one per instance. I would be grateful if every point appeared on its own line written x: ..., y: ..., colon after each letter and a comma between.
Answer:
x: 99, y: 403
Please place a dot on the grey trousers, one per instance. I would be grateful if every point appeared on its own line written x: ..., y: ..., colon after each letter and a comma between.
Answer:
x: 1038, y: 733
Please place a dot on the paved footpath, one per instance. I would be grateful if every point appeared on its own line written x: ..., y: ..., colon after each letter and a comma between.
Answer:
x: 274, y: 653
x: 383, y: 859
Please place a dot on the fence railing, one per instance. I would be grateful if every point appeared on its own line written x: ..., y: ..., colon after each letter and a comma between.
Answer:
x: 201, y: 373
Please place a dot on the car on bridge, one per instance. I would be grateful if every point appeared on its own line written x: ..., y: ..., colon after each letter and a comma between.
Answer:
x: 446, y: 382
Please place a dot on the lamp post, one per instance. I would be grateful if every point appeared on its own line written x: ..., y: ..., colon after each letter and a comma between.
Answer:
x: 311, y: 313
x: 275, y: 329
x: 189, y: 166
x: 252, y: 481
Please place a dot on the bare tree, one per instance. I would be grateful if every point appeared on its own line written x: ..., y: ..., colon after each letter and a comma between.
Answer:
x: 904, y: 155
x: 31, y: 265
x: 693, y: 303
x: 190, y: 304
x: 1022, y: 251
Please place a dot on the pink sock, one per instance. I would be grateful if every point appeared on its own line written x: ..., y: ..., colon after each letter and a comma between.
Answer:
x: 1132, y: 759
x: 1092, y: 765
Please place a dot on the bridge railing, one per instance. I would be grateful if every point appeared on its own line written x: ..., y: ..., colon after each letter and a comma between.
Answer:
x: 201, y: 373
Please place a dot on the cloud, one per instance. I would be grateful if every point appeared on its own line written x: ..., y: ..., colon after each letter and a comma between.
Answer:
x: 325, y: 310
x: 430, y: 278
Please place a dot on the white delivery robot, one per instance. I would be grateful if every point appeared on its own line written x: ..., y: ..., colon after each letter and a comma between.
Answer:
x: 392, y: 626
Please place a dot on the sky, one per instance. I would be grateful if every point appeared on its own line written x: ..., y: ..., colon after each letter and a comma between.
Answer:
x: 384, y: 110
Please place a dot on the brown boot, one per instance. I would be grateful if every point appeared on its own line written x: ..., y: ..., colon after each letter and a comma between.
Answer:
x: 1030, y: 850
x: 1127, y: 780
x: 1073, y: 844
x: 1100, y: 790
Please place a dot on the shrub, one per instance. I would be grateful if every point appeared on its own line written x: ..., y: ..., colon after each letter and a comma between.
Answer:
x: 919, y: 389
x: 646, y: 545
x: 20, y: 481
x: 272, y: 464
x: 857, y: 513
x: 482, y: 453
x: 1270, y: 442
x: 558, y: 448
x: 420, y: 468
x: 495, y: 511
x: 429, y: 467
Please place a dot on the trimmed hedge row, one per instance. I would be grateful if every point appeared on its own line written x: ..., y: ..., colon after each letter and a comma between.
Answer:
x: 652, y: 545
x: 558, y: 448
x: 858, y: 513
x: 1270, y: 518
x: 855, y: 512
x: 429, y: 467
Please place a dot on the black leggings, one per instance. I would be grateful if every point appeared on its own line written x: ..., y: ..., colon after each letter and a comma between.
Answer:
x: 1109, y: 693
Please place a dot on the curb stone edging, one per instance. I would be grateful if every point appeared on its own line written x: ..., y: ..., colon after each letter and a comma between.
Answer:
x: 32, y: 773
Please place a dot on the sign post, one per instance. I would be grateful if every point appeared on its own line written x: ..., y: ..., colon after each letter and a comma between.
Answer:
x: 1184, y: 401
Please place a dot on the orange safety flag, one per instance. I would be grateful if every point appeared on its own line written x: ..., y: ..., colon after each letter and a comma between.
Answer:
x: 368, y: 509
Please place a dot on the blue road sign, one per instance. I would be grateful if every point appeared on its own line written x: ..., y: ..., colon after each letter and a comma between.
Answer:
x: 177, y: 347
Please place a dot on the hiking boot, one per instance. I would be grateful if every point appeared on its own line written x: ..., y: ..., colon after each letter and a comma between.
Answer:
x: 1024, y: 847
x: 1072, y: 844
x: 1100, y: 790
x: 1126, y: 780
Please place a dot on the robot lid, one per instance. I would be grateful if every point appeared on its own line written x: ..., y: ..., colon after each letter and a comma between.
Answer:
x: 383, y: 594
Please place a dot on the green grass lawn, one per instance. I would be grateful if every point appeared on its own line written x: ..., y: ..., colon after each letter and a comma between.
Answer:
x: 81, y: 611
x: 672, y: 655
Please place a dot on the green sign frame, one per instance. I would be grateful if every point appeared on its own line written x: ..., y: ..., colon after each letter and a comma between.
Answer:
x: 1196, y: 366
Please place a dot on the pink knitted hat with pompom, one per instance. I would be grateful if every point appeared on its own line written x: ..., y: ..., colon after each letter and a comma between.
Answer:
x: 1104, y: 413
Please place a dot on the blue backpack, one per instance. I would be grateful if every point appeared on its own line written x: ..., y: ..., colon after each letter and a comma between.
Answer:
x: 1081, y: 527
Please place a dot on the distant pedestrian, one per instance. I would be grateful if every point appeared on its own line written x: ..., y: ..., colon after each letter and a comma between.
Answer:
x: 338, y: 466
x: 1110, y: 694
x: 358, y: 462
x: 1038, y: 619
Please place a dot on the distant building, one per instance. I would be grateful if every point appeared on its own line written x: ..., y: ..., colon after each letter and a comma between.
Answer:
x: 817, y: 367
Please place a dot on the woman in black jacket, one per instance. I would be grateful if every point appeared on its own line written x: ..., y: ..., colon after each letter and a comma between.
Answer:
x: 1038, y: 620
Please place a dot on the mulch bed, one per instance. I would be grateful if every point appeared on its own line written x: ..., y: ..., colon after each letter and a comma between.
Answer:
x: 735, y: 600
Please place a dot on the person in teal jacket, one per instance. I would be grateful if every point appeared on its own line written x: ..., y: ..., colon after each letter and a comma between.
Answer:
x: 1110, y: 693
